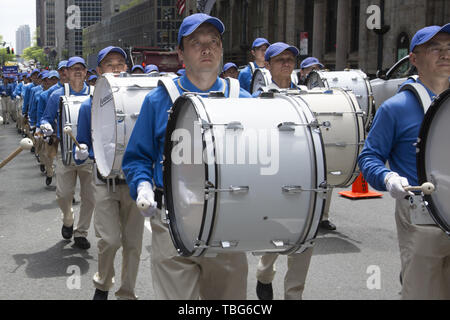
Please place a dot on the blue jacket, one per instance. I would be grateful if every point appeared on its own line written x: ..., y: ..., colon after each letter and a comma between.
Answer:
x: 84, y: 129
x: 51, y: 111
x: 32, y: 112
x: 245, y: 77
x: 43, y: 102
x: 18, y: 90
x: 144, y: 153
x: 26, y: 97
x: 10, y: 90
x: 391, y: 138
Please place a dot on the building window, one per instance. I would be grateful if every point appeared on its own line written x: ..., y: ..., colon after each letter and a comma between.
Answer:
x: 354, y: 41
x: 331, y: 23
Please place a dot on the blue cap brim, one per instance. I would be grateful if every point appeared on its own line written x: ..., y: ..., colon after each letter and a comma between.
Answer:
x: 214, y: 21
x: 445, y: 28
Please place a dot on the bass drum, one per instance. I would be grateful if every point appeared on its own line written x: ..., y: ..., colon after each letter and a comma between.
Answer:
x: 262, y: 78
x: 220, y: 198
x: 116, y: 105
x: 349, y: 79
x: 344, y: 137
x: 68, y: 117
x: 432, y: 159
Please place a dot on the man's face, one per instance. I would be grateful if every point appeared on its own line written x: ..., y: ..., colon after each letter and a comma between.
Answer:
x: 433, y: 57
x: 113, y: 63
x: 52, y: 81
x: 306, y: 71
x: 138, y: 71
x: 34, y: 77
x: 77, y: 73
x: 63, y: 75
x: 259, y: 52
x: 282, y: 65
x: 202, y: 50
x: 231, y: 73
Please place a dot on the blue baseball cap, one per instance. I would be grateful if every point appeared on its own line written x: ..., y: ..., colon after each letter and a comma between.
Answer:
x: 74, y: 60
x: 35, y: 71
x: 42, y: 74
x: 104, y: 52
x: 277, y: 48
x: 92, y: 77
x: 52, y: 74
x: 259, y: 42
x: 310, y: 61
x: 426, y: 34
x: 150, y: 68
x: 62, y: 64
x: 192, y: 22
x: 228, y: 66
x: 137, y: 66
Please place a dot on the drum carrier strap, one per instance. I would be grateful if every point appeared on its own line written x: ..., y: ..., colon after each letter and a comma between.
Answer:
x: 252, y: 67
x: 421, y: 94
x: 170, y: 87
x: 66, y: 89
x: 234, y: 87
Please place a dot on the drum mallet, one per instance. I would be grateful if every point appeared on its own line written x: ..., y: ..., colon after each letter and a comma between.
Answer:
x: 427, y: 188
x: 68, y: 131
x: 25, y: 144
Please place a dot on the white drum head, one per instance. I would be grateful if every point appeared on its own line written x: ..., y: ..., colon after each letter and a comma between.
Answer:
x: 433, y: 159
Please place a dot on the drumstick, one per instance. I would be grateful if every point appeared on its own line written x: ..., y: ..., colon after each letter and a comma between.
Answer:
x: 68, y: 130
x: 427, y: 188
x: 25, y: 144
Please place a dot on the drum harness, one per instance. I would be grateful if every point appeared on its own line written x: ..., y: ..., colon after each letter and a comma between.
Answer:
x: 418, y: 206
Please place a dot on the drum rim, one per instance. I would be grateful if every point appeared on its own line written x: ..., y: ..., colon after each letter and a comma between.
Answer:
x: 167, y: 182
x: 67, y: 161
x: 420, y: 157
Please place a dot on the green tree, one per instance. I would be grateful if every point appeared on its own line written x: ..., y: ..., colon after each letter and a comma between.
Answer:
x: 4, y: 56
x: 37, y: 54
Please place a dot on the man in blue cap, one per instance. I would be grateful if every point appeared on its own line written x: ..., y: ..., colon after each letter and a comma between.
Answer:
x: 174, y: 276
x: 424, y: 248
x: 151, y: 68
x: 66, y: 176
x: 280, y: 59
x: 34, y: 76
x: 230, y: 70
x: 117, y: 220
x: 309, y: 64
x: 137, y: 69
x: 258, y: 51
x: 92, y: 80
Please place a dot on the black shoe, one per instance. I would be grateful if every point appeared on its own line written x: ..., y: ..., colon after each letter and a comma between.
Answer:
x: 32, y: 149
x: 42, y: 167
x: 48, y: 180
x: 82, y: 243
x: 67, y: 232
x: 328, y: 225
x: 38, y: 158
x: 100, y: 295
x: 264, y: 291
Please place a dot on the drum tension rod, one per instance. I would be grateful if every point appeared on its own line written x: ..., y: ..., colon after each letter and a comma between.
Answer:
x: 233, y: 125
x: 299, y: 189
x: 209, y: 187
x: 289, y: 126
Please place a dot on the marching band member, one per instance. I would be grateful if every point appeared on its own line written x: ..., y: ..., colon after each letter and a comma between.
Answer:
x: 151, y: 68
x: 137, y: 69
x: 280, y: 59
x: 66, y: 176
x: 230, y: 70
x: 258, y: 51
x: 424, y: 248
x: 176, y: 277
x: 117, y: 220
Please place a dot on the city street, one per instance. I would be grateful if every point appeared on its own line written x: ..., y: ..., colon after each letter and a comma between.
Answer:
x: 37, y: 264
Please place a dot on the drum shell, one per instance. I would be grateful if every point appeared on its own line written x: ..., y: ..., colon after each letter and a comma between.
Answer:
x: 248, y: 221
x: 116, y: 105
x: 344, y: 139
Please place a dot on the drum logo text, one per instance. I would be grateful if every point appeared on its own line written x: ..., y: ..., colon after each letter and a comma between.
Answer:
x: 105, y: 100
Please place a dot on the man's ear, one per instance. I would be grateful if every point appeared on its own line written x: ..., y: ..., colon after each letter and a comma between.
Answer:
x: 267, y: 65
x: 413, y: 59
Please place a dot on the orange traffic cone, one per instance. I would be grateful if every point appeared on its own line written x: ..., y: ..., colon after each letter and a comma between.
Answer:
x: 360, y: 190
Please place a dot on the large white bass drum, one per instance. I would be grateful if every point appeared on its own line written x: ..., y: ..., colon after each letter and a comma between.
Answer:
x: 116, y: 105
x: 68, y: 117
x: 433, y: 159
x: 349, y: 79
x: 262, y: 78
x: 234, y: 182
x: 344, y: 133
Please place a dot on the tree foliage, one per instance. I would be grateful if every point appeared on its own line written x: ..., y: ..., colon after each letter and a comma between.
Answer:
x: 36, y: 53
x: 4, y: 56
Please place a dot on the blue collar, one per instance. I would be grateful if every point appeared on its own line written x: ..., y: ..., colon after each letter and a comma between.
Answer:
x: 187, y: 86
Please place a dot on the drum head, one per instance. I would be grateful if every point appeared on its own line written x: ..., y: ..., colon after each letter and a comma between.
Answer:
x: 184, y: 183
x: 433, y: 159
x: 314, y: 80
x: 261, y: 78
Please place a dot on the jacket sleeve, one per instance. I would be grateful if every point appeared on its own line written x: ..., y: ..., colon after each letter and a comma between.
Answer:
x: 84, y: 129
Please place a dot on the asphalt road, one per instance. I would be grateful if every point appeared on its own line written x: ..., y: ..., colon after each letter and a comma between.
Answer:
x: 360, y: 260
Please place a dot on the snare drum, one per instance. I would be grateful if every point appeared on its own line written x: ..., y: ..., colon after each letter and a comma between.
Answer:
x: 116, y: 105
x: 349, y: 79
x: 68, y: 116
x: 262, y: 78
x: 218, y: 203
x: 345, y: 136
x: 432, y: 159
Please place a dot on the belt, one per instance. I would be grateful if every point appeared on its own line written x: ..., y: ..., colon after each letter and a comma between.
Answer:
x: 116, y: 180
x: 159, y: 198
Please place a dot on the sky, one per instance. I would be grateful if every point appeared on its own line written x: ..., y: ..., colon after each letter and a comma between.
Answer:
x: 13, y: 14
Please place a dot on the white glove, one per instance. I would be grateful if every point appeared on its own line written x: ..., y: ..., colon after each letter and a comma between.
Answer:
x: 37, y: 136
x: 146, y: 199
x: 83, y: 153
x: 47, y: 129
x: 396, y: 186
